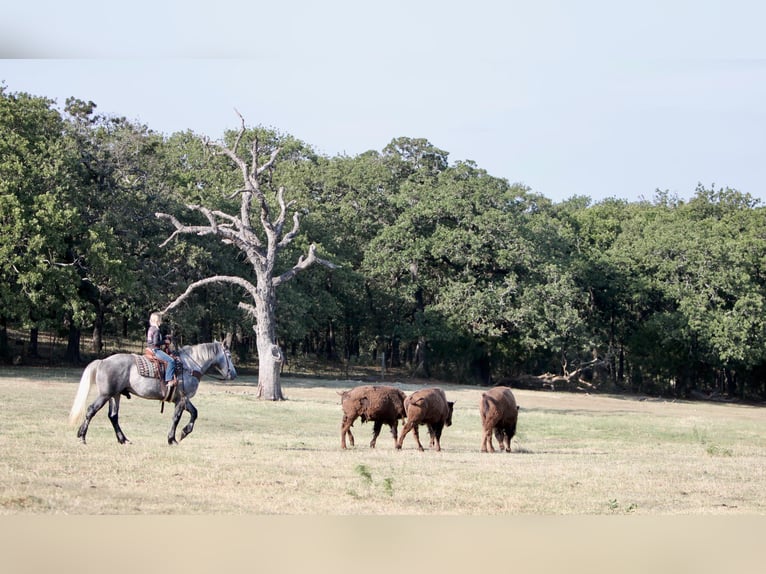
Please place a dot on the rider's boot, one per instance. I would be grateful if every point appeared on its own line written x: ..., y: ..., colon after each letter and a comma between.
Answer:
x: 171, y: 385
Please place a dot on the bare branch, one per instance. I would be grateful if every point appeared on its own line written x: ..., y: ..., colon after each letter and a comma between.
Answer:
x: 254, y: 156
x: 293, y: 232
x: 249, y: 287
x: 181, y: 228
x: 247, y: 308
x: 279, y: 223
x: 301, y: 265
x: 241, y: 130
x: 223, y: 230
x: 211, y: 217
x: 231, y: 154
x: 234, y: 194
x: 269, y: 163
x: 283, y: 208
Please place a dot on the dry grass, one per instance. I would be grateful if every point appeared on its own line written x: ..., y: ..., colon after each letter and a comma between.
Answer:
x: 574, y: 454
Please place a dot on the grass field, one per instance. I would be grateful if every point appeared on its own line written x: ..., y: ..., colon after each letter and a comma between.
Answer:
x: 574, y: 454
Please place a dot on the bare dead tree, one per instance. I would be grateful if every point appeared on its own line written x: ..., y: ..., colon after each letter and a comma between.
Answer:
x: 262, y: 254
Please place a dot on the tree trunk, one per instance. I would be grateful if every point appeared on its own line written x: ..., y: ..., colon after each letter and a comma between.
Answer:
x: 421, y: 360
x: 395, y: 356
x: 97, y: 340
x: 331, y: 354
x: 5, y: 349
x: 73, y: 345
x: 270, y: 357
x: 34, y: 342
x: 621, y: 368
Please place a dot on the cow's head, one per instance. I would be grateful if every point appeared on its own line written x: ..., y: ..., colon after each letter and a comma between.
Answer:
x: 450, y: 406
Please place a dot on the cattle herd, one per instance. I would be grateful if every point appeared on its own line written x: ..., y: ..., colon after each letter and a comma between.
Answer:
x: 384, y: 404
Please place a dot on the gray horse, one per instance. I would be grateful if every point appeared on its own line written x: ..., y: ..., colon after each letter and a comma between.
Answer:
x: 118, y: 375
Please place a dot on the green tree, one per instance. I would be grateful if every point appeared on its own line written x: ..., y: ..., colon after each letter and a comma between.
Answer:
x: 346, y: 202
x: 122, y: 171
x: 37, y: 184
x: 698, y: 290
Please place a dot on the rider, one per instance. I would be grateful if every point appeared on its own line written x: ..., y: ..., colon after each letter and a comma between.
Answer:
x: 155, y: 341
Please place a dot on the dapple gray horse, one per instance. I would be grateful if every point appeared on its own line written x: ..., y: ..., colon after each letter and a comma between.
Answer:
x: 118, y: 375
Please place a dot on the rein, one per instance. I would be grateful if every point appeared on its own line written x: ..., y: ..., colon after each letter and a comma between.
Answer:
x: 196, y: 373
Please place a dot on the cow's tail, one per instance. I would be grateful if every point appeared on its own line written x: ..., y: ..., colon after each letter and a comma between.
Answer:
x: 87, y: 379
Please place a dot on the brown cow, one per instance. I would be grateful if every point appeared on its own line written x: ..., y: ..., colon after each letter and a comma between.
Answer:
x: 427, y: 407
x: 378, y: 403
x: 499, y: 413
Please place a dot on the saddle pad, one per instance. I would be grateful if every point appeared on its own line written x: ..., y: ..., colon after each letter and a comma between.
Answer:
x: 147, y: 367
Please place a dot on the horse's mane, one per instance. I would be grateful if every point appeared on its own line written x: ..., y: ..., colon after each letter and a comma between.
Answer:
x: 208, y: 350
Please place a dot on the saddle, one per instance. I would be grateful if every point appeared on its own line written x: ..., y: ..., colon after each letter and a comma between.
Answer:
x: 148, y: 365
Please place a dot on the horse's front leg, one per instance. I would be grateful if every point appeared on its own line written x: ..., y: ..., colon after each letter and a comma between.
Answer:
x: 179, y: 410
x: 190, y: 426
x: 114, y: 411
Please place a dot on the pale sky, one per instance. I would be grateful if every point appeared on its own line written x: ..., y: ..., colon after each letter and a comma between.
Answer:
x: 591, y: 97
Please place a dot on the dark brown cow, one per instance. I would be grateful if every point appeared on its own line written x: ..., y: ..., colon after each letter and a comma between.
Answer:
x: 378, y: 403
x: 427, y: 407
x: 499, y: 413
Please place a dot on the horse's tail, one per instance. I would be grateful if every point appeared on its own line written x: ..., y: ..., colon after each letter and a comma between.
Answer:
x: 87, y: 379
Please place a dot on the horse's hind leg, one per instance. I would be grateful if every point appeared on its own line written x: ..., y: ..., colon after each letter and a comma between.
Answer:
x: 94, y: 407
x: 179, y: 410
x: 190, y: 426
x: 114, y: 411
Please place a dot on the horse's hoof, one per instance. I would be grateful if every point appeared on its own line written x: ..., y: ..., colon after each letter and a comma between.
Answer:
x: 172, y: 441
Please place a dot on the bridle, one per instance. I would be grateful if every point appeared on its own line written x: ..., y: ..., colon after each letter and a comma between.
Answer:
x: 229, y: 363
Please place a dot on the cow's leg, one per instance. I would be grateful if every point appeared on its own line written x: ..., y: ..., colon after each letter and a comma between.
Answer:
x: 507, y: 442
x: 394, y: 430
x: 417, y: 437
x: 345, y: 429
x: 375, y: 432
x: 486, y: 443
x: 114, y: 412
x: 437, y: 435
x: 509, y: 432
x: 405, y: 429
x: 94, y: 407
x: 500, y: 435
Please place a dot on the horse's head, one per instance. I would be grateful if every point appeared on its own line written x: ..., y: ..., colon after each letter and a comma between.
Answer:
x: 206, y: 356
x: 223, y: 363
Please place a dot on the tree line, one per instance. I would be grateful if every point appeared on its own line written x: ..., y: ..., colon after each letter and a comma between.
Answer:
x: 439, y: 267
